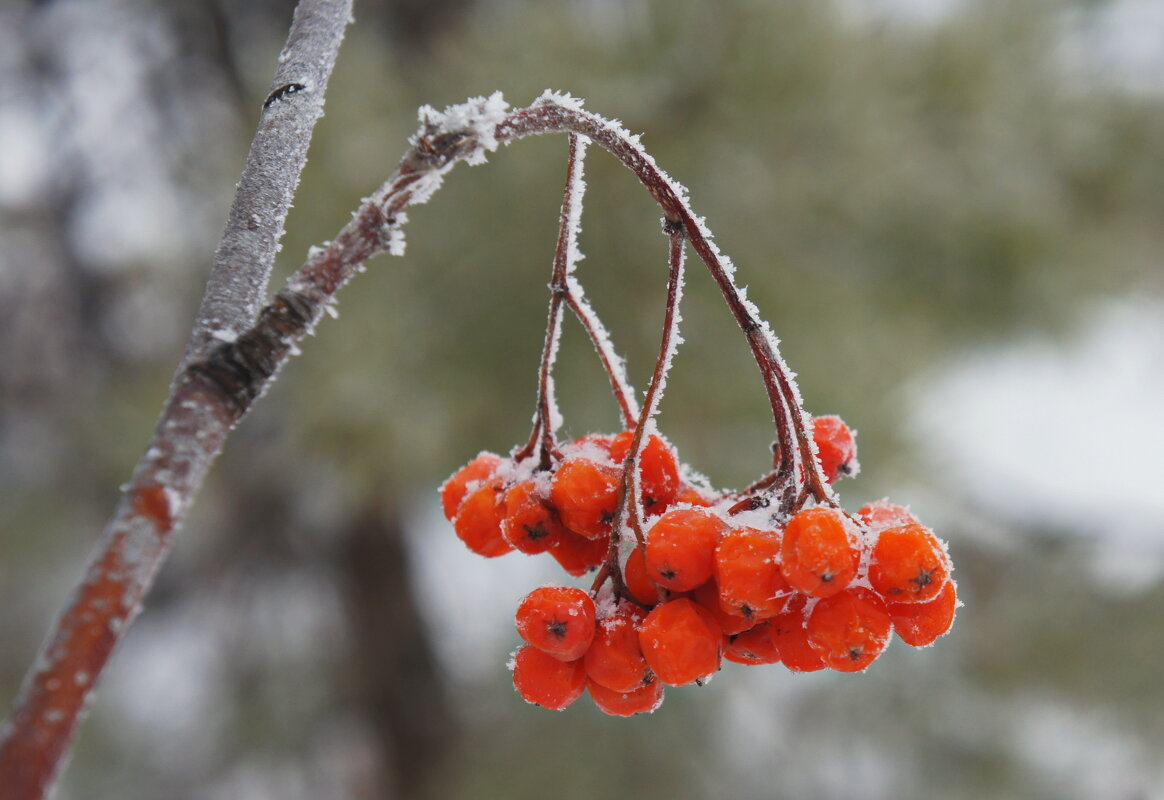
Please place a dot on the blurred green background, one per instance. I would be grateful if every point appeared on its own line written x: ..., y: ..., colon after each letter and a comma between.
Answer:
x: 950, y: 212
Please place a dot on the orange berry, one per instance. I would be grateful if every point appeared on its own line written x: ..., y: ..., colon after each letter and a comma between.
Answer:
x: 585, y: 494
x: 558, y: 620
x: 692, y: 497
x: 849, y: 630
x: 909, y: 564
x: 681, y: 642
x: 529, y: 524
x: 615, y: 658
x: 478, y: 523
x: 791, y: 638
x: 577, y: 554
x: 641, y: 700
x: 468, y: 477
x: 658, y: 470
x: 546, y: 681
x: 753, y: 646
x: 882, y: 514
x: 681, y: 548
x: 819, y: 552
x: 747, y: 570
x: 919, y: 624
x: 638, y: 582
x: 836, y: 447
x: 708, y: 597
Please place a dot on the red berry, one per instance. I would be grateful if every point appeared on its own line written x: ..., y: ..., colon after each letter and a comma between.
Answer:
x: 585, y: 494
x: 919, y: 624
x: 558, y: 620
x: 882, y: 514
x: 819, y: 552
x: 681, y: 643
x: 708, y: 597
x: 849, y: 630
x: 642, y: 700
x: 529, y: 524
x: 658, y: 470
x: 681, y: 548
x: 577, y: 554
x: 836, y: 448
x: 753, y: 646
x: 693, y: 497
x: 747, y: 570
x: 478, y: 523
x: 615, y: 658
x: 638, y: 582
x: 791, y: 638
x: 909, y: 564
x: 545, y: 681
x: 468, y: 477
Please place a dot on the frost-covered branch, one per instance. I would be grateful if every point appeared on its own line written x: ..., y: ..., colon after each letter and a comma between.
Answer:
x: 194, y: 423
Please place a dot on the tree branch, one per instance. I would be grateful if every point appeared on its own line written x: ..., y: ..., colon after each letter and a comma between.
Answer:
x: 193, y: 426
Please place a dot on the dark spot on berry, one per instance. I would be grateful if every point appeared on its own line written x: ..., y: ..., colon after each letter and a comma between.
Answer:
x: 747, y: 611
x: 557, y: 629
x: 855, y: 653
x: 668, y: 573
x: 535, y: 532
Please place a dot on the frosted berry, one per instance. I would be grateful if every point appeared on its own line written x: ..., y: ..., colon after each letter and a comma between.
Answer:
x: 681, y: 643
x: 819, y: 552
x: 454, y: 490
x: 882, y: 514
x: 546, y: 681
x: 753, y: 646
x: 681, y: 548
x: 585, y: 493
x: 641, y: 700
x: 849, y: 630
x: 478, y: 522
x: 558, y: 620
x: 577, y: 554
x: 836, y: 447
x: 747, y: 570
x: 634, y: 574
x: 658, y: 470
x: 920, y: 624
x: 615, y: 657
x: 530, y: 525
x: 707, y: 596
x: 909, y: 564
x: 790, y: 637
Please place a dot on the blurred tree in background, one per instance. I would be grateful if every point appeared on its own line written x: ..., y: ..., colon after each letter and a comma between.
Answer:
x: 896, y: 189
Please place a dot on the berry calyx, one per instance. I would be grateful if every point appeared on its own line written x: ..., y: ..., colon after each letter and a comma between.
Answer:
x: 642, y: 700
x: 909, y: 564
x: 586, y: 496
x: 708, y: 597
x: 558, y: 620
x: 454, y: 490
x: 478, y: 522
x: 680, y: 642
x: 747, y: 570
x: 836, y: 447
x: 681, y: 548
x: 920, y: 624
x: 849, y: 630
x: 546, y: 681
x: 819, y: 552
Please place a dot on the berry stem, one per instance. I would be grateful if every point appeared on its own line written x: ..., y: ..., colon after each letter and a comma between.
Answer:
x: 547, y: 417
x: 794, y: 457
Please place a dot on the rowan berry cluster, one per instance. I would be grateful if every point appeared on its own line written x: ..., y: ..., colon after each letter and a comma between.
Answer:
x: 686, y: 575
x: 714, y: 578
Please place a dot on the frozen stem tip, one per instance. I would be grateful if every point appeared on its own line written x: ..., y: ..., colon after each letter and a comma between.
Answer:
x: 461, y: 132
